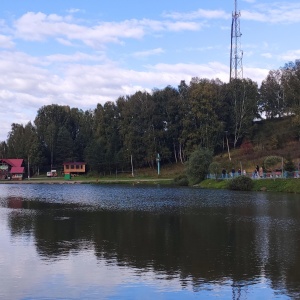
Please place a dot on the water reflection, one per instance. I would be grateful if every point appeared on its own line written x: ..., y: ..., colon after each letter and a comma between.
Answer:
x: 215, y: 238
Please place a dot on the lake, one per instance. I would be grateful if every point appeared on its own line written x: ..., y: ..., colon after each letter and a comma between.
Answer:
x: 77, y: 241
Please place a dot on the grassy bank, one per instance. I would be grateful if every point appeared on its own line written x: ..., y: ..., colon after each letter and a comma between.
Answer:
x: 271, y: 185
x: 94, y: 180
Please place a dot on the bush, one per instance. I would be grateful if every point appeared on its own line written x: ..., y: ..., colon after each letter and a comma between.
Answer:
x: 241, y: 183
x: 271, y: 161
x: 247, y: 147
x: 181, y: 180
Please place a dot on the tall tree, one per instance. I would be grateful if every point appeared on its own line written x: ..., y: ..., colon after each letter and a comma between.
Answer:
x: 33, y: 149
x: 64, y: 146
x: 16, y: 141
x: 271, y: 95
x: 291, y: 89
x: 201, y: 124
x: 3, y: 150
x: 48, y: 121
x: 244, y: 107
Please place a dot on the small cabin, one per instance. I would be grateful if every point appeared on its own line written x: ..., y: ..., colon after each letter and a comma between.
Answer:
x: 74, y: 168
x: 11, y: 168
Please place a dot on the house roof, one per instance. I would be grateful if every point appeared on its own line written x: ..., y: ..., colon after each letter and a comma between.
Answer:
x: 74, y: 163
x: 13, y: 162
x: 17, y: 170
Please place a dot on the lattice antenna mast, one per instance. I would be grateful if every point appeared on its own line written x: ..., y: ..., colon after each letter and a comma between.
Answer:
x: 236, y: 53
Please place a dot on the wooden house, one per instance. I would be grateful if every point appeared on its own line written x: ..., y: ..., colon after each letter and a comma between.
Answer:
x: 74, y: 168
x: 11, y: 168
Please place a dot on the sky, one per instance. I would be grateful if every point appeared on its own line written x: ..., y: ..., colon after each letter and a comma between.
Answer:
x: 81, y: 53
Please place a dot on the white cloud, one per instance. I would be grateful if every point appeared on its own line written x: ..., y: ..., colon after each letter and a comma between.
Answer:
x: 290, y: 55
x: 27, y: 83
x: 147, y: 53
x: 74, y: 10
x: 277, y: 12
x: 6, y: 42
x: 267, y: 55
x: 255, y: 74
x: 76, y: 57
x: 199, y: 14
x: 39, y: 26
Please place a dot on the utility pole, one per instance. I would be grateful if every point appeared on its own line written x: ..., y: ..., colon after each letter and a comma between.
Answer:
x: 28, y: 168
x: 236, y: 53
x: 158, y: 164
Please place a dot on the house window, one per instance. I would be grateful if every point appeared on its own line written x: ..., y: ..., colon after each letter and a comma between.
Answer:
x: 72, y: 166
x: 77, y: 167
x: 67, y: 167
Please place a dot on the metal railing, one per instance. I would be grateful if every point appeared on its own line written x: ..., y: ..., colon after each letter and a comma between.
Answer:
x: 265, y: 175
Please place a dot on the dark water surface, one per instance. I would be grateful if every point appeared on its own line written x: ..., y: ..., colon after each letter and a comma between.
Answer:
x: 135, y: 242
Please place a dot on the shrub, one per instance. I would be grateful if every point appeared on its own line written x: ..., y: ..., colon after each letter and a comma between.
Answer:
x: 241, y: 183
x: 271, y: 161
x: 181, y: 180
x: 246, y: 147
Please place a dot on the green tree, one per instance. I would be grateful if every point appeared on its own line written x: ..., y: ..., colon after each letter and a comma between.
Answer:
x: 33, y: 149
x: 166, y: 123
x: 291, y: 86
x: 214, y: 168
x: 64, y: 147
x: 271, y: 95
x: 16, y: 141
x: 201, y: 125
x: 3, y: 150
x: 198, y: 164
x: 244, y: 99
x: 289, y: 164
x: 48, y: 121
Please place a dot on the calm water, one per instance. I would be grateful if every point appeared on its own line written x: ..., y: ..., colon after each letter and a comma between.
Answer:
x: 121, y: 242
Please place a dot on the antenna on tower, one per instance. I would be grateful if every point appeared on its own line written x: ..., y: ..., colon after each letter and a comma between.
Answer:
x: 236, y: 53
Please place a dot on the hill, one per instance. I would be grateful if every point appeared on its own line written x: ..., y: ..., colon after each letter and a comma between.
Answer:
x: 277, y: 137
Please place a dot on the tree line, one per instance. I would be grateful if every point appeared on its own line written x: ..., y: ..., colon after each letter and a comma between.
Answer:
x: 173, y: 122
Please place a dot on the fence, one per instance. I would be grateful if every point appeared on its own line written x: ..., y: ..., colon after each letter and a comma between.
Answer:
x: 266, y: 175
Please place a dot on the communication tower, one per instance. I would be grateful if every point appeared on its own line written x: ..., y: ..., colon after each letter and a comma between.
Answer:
x: 236, y: 53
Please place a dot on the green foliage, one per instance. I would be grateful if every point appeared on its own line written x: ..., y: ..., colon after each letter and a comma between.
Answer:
x: 170, y: 121
x: 214, y: 168
x: 243, y: 97
x: 181, y: 180
x: 214, y: 184
x: 64, y: 147
x: 197, y: 165
x: 241, y: 183
x: 271, y: 91
x: 289, y: 165
x: 271, y: 161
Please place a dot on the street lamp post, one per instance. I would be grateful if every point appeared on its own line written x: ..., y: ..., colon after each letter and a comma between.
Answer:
x: 158, y: 163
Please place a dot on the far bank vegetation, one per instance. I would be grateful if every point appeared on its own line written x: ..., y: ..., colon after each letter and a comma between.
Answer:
x: 239, y: 123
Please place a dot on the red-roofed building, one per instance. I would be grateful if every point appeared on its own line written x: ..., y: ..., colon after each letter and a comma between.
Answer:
x: 11, y: 168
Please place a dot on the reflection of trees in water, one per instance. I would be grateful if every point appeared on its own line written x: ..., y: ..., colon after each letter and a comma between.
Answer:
x: 200, y: 247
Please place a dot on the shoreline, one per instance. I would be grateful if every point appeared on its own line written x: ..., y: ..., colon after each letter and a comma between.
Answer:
x: 281, y: 185
x: 166, y: 181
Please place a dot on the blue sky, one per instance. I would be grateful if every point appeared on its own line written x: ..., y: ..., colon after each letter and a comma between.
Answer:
x: 80, y: 53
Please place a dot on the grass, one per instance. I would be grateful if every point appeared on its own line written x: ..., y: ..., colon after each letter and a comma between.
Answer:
x: 144, y: 177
